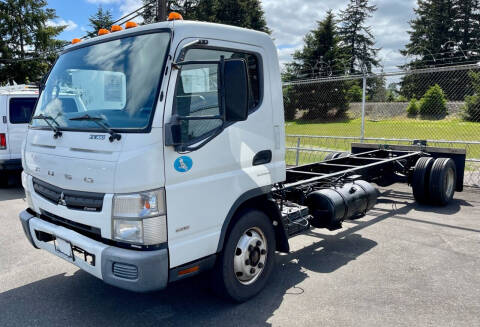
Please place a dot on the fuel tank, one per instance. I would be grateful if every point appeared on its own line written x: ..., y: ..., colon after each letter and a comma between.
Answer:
x: 330, y: 206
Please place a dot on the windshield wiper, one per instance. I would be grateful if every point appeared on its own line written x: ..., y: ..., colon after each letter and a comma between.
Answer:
x: 47, y: 120
x: 98, y: 120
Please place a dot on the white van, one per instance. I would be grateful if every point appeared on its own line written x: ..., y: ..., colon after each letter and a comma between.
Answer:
x: 16, y: 106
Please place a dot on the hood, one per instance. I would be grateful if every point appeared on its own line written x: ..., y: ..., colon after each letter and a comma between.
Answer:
x: 89, y: 162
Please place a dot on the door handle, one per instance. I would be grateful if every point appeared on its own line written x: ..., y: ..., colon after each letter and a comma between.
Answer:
x: 262, y: 157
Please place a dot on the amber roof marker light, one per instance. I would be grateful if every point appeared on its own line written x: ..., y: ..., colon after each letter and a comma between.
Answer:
x: 174, y: 16
x: 116, y: 28
x: 103, y: 31
x: 130, y: 25
x: 76, y: 40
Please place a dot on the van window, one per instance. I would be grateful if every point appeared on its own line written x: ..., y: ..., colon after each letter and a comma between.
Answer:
x: 21, y: 110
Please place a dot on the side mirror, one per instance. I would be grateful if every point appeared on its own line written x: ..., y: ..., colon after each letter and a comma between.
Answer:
x: 235, y: 79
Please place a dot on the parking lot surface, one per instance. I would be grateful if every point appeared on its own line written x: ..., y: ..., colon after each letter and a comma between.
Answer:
x: 401, y: 265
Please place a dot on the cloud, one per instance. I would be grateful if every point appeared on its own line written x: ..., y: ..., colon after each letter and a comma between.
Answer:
x: 129, y: 6
x: 71, y: 25
x: 290, y: 20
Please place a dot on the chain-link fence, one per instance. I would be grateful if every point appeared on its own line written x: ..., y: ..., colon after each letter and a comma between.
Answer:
x: 440, y: 105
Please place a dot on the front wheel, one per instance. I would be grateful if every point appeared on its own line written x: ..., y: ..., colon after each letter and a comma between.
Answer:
x: 248, y: 257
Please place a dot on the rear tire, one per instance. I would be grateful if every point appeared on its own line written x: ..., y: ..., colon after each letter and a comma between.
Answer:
x: 443, y: 180
x: 251, y: 239
x: 420, y: 180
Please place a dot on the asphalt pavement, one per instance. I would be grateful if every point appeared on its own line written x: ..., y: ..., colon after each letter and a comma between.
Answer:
x: 402, y: 265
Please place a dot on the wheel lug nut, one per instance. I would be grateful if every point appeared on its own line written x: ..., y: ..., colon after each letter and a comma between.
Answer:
x: 250, y: 248
x: 247, y: 262
x: 263, y: 251
x: 259, y: 243
x: 260, y: 265
x: 252, y: 271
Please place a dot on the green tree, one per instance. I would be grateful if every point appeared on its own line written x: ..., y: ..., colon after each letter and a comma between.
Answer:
x: 317, y: 58
x: 357, y: 38
x: 441, y: 33
x: 433, y: 105
x: 241, y: 13
x: 28, y: 45
x: 466, y: 24
x: 101, y: 19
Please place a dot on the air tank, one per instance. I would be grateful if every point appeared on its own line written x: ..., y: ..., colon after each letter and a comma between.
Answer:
x: 330, y: 206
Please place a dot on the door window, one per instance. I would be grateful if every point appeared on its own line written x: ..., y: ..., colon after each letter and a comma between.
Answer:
x: 21, y: 110
x: 197, y: 91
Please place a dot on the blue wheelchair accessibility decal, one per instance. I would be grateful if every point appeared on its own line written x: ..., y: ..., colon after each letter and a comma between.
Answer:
x: 183, y: 164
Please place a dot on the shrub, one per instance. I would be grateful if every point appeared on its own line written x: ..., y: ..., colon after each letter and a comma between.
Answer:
x: 471, y: 110
x: 433, y: 104
x: 355, y: 93
x: 412, y: 109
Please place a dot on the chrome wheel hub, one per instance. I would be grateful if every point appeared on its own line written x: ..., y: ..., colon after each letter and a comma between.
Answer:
x: 250, y: 256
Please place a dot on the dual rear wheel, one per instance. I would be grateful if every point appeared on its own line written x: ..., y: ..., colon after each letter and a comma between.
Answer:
x: 434, y: 180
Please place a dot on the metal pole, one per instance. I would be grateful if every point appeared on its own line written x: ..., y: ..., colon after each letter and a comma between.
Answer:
x: 298, y: 152
x: 362, y: 137
x: 161, y: 10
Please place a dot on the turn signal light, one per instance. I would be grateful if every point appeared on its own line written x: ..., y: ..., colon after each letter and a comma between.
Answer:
x: 76, y: 40
x: 188, y: 270
x: 103, y: 31
x: 116, y: 28
x: 130, y: 25
x: 175, y: 16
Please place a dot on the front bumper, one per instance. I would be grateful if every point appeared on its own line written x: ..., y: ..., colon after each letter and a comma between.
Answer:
x: 138, y: 271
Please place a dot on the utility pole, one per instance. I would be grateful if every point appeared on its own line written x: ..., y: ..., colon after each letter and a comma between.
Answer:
x: 161, y: 10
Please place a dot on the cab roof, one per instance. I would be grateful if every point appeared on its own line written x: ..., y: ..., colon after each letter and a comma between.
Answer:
x: 189, y: 29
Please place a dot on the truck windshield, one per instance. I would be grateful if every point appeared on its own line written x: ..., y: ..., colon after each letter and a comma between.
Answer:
x: 116, y: 81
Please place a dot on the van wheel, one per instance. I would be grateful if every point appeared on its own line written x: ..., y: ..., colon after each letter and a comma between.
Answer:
x: 420, y: 179
x: 443, y: 180
x: 248, y: 258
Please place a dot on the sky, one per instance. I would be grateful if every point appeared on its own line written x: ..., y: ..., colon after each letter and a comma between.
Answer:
x: 289, y: 21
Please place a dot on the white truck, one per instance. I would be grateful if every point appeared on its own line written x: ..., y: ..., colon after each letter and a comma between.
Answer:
x: 177, y: 164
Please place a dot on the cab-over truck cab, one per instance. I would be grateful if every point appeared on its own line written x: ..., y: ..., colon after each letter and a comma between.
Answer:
x: 166, y: 170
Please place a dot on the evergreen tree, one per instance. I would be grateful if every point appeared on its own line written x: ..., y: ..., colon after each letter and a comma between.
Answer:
x: 467, y: 23
x: 431, y: 32
x: 441, y: 34
x: 101, y: 19
x: 357, y: 38
x: 242, y: 13
x: 28, y: 44
x: 318, y: 58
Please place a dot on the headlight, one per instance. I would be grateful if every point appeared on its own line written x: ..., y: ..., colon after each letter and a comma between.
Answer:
x: 140, y: 217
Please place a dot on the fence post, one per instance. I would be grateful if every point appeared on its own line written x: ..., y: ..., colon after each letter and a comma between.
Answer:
x: 364, y: 95
x: 298, y: 151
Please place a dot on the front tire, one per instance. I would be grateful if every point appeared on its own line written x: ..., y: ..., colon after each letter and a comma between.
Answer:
x: 248, y: 257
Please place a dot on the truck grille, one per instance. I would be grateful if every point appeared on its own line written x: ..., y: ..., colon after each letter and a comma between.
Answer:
x: 125, y: 271
x: 76, y: 200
